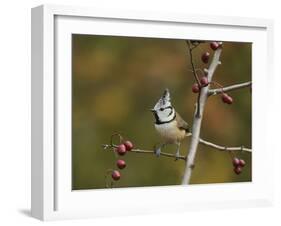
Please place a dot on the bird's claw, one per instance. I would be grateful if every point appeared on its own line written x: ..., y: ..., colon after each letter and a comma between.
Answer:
x: 177, y: 156
x: 158, y: 152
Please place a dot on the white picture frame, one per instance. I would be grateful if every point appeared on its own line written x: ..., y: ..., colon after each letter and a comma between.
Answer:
x: 52, y: 197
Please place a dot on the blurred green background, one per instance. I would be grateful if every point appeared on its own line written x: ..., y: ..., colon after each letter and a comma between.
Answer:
x: 117, y: 79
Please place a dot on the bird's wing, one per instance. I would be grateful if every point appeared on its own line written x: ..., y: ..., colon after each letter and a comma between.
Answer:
x: 183, y: 125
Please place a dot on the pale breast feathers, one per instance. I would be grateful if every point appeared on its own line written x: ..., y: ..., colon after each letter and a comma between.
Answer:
x: 170, y: 132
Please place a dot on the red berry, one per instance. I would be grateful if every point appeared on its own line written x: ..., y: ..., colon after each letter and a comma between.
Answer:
x: 121, y: 164
x: 204, y: 81
x: 229, y: 100
x: 242, y: 163
x: 115, y: 175
x: 237, y: 170
x: 214, y: 45
x: 121, y: 149
x: 236, y: 162
x: 129, y: 145
x: 195, y: 88
x: 226, y: 99
x: 205, y: 57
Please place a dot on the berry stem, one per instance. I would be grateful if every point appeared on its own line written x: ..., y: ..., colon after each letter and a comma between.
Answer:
x: 108, y: 183
x: 116, y: 134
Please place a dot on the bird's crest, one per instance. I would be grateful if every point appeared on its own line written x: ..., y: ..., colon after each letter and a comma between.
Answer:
x: 164, y: 101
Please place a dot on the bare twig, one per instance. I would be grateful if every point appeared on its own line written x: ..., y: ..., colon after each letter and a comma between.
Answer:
x: 195, y: 75
x: 197, y: 120
x: 229, y: 88
x: 224, y: 148
x: 191, y: 61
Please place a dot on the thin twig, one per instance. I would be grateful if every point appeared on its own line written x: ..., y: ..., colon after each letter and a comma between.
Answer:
x: 229, y: 88
x: 195, y: 75
x: 192, y: 64
x: 224, y: 148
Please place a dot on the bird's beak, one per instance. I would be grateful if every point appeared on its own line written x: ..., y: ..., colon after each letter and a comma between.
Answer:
x: 152, y: 110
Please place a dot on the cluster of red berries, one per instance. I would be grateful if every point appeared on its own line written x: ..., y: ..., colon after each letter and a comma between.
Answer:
x: 238, y: 165
x: 121, y: 150
x: 204, y: 80
x: 203, y: 83
x: 206, y: 56
x: 205, y: 59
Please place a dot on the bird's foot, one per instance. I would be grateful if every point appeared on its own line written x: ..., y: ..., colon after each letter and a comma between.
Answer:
x: 177, y: 156
x: 158, y: 151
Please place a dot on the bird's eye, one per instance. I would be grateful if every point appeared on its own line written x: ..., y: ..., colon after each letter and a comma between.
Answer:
x: 161, y: 109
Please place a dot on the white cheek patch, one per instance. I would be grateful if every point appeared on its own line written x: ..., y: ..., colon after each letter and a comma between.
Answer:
x: 161, y: 115
x: 166, y: 115
x: 167, y: 112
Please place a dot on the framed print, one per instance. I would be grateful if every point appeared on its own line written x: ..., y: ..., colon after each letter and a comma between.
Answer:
x: 148, y: 112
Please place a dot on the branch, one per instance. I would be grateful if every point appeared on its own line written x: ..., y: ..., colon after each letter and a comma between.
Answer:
x: 197, y: 120
x: 224, y: 148
x: 165, y: 154
x: 229, y: 88
x: 108, y: 146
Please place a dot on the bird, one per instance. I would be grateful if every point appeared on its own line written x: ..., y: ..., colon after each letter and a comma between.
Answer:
x: 169, y: 124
